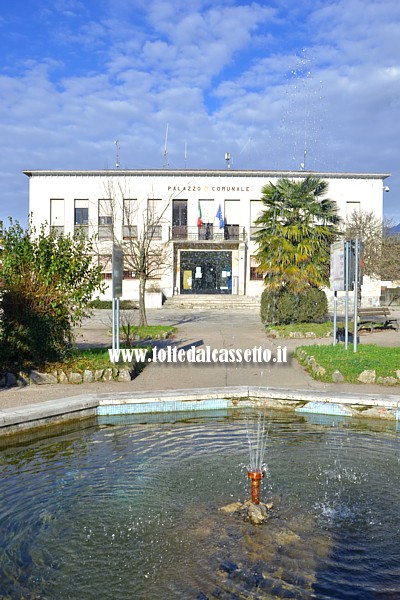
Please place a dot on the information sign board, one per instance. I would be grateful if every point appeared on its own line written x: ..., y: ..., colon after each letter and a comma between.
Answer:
x: 117, y: 268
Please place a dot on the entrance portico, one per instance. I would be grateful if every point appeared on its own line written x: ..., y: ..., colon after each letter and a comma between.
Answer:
x: 205, y: 272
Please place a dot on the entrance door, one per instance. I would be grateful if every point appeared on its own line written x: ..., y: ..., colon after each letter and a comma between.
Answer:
x: 179, y: 219
x: 204, y: 272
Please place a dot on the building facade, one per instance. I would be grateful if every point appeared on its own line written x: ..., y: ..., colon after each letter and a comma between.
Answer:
x: 203, y: 220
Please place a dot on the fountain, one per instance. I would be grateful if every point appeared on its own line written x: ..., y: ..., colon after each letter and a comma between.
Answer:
x: 253, y: 510
x: 255, y: 475
x: 257, y: 437
x: 129, y: 507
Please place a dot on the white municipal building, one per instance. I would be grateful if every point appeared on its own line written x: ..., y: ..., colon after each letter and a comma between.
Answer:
x: 207, y: 220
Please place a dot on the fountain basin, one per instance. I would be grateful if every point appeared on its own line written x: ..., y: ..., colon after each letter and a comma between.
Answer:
x: 129, y: 506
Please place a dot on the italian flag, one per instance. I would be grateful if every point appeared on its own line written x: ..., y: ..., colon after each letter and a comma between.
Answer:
x: 200, y: 217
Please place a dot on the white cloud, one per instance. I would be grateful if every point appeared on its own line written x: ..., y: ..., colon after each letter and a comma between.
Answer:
x: 224, y: 76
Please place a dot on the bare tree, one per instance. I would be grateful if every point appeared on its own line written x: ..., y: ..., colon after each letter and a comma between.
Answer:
x: 368, y: 228
x: 145, y: 254
x: 381, y: 248
x: 137, y: 225
x: 390, y: 258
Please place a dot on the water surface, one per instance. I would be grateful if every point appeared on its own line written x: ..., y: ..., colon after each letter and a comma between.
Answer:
x: 117, y: 509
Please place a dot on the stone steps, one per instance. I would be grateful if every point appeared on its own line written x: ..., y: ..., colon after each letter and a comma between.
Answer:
x: 211, y: 302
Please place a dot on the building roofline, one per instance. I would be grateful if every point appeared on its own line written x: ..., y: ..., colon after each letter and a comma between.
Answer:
x: 201, y: 172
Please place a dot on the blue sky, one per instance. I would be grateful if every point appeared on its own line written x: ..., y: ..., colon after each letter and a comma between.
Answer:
x: 262, y: 80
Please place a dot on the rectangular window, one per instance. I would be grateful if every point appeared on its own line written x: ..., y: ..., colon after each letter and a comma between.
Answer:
x: 208, y: 211
x: 179, y: 212
x: 130, y: 219
x: 105, y: 220
x: 127, y: 272
x: 255, y: 275
x: 154, y: 218
x: 233, y: 211
x: 232, y: 219
x: 155, y: 232
x: 81, y: 216
x: 179, y: 219
x: 57, y: 215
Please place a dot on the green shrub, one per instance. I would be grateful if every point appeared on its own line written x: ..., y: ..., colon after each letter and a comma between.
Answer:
x: 313, y: 306
x: 285, y: 307
x: 47, y: 281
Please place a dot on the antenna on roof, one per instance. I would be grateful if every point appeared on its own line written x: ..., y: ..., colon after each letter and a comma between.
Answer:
x: 117, y: 163
x: 303, y: 164
x: 185, y: 154
x: 166, y: 165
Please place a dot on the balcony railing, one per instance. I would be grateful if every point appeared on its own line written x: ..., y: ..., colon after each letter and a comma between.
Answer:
x: 208, y: 233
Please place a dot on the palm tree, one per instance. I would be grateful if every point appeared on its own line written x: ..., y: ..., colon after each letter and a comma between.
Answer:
x: 296, y: 229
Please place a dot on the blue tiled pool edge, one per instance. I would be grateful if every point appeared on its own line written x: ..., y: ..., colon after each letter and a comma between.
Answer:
x: 302, y: 401
x: 325, y: 408
x: 21, y: 418
x: 164, y: 406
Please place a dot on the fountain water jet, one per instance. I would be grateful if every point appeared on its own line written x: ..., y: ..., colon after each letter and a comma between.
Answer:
x: 257, y: 435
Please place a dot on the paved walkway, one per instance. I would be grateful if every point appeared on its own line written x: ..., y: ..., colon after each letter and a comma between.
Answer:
x: 217, y: 329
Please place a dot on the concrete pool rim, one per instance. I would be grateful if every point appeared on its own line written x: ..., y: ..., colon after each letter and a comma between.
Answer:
x: 24, y: 418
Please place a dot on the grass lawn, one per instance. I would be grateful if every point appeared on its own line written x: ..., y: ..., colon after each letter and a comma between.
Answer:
x: 151, y: 332
x: 319, y: 329
x: 92, y: 359
x: 384, y: 361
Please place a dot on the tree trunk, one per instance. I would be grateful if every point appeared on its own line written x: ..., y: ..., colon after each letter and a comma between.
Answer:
x: 142, y: 305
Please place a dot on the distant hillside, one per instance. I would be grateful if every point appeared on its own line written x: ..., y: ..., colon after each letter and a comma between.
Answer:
x: 395, y: 229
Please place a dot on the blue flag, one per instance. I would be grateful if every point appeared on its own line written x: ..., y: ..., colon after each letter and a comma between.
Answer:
x: 219, y: 216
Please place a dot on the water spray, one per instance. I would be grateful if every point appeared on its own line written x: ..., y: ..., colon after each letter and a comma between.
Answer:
x: 257, y: 438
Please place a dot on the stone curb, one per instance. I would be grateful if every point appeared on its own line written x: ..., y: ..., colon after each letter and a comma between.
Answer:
x: 318, y: 372
x: 88, y: 376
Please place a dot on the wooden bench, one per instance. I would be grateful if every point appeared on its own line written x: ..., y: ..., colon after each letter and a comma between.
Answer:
x: 377, y: 314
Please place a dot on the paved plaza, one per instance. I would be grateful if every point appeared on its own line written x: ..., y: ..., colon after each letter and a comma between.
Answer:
x: 235, y: 329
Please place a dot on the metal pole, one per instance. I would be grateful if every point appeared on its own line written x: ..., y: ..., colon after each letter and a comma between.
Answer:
x: 113, y: 327
x: 355, y: 295
x: 334, y: 317
x: 346, y: 330
x: 117, y: 324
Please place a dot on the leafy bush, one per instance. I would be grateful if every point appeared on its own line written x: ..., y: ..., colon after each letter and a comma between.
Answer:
x: 284, y: 307
x: 47, y: 282
x: 313, y: 306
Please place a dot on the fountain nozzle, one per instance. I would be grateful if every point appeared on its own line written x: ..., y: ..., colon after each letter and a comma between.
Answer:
x: 255, y: 475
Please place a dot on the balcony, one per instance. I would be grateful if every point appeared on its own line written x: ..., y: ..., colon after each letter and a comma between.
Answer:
x: 207, y: 233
